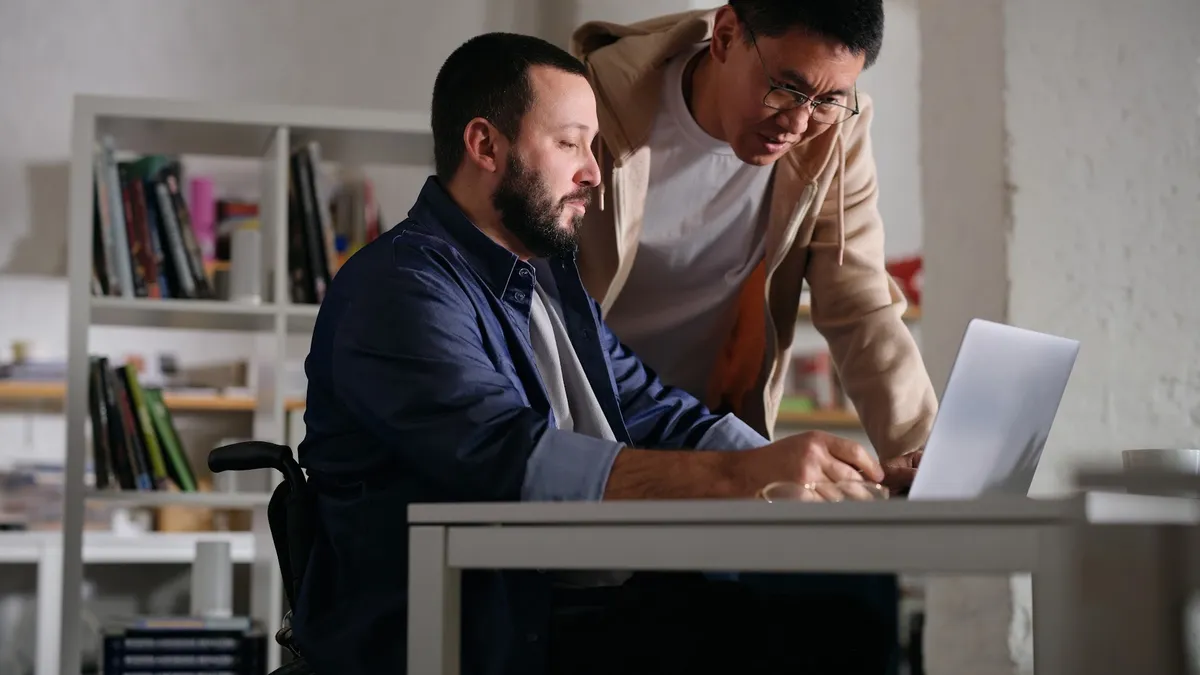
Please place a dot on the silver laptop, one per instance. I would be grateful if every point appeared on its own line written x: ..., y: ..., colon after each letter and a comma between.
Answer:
x: 996, y: 412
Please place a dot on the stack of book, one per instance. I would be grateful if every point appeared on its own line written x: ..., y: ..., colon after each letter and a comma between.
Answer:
x: 216, y: 646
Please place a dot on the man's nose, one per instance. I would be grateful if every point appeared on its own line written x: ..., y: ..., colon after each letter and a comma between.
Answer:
x: 796, y: 120
x: 589, y: 175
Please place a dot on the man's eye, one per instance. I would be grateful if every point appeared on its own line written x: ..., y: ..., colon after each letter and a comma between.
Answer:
x: 567, y: 144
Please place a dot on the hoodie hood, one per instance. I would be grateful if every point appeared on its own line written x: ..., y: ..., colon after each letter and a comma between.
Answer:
x: 625, y: 62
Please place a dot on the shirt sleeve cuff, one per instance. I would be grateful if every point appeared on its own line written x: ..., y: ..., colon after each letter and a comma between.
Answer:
x: 730, y: 433
x: 566, y: 466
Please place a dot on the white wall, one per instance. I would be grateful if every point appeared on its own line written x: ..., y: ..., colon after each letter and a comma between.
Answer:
x: 1092, y: 211
x: 365, y: 53
x: 1106, y: 214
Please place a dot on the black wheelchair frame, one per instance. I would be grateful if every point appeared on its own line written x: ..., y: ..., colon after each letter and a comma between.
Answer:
x: 290, y: 517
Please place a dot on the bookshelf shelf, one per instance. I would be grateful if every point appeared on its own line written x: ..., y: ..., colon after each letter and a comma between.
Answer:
x: 53, y: 392
x: 108, y: 548
x: 301, y: 318
x: 31, y: 392
x: 171, y: 313
x: 238, y: 129
x: 828, y: 419
x: 215, y: 500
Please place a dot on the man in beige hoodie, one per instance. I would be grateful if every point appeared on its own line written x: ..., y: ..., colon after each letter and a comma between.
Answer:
x: 736, y: 164
x: 736, y: 158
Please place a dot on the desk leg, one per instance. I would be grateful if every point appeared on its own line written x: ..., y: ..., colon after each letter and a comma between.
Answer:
x: 1053, y: 577
x: 433, y: 605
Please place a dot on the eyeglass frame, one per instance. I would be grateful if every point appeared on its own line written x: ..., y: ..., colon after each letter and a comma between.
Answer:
x: 804, y: 99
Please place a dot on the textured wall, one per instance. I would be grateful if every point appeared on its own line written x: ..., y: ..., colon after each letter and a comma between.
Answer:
x: 1099, y: 221
x: 1103, y: 113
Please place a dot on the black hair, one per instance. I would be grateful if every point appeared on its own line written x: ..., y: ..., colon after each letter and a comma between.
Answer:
x: 488, y: 76
x: 857, y: 24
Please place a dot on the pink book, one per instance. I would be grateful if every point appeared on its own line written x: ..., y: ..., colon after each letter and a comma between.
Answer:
x: 204, y: 209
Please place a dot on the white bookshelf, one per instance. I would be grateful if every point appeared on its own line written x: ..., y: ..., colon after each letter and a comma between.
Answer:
x: 205, y: 128
x: 208, y: 500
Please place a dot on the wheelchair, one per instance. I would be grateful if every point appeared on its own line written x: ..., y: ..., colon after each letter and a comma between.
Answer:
x: 290, y: 517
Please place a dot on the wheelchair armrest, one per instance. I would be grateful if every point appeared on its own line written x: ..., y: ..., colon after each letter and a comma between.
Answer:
x: 250, y: 455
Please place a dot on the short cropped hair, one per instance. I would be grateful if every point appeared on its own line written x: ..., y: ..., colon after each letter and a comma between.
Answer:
x: 857, y: 24
x: 488, y: 76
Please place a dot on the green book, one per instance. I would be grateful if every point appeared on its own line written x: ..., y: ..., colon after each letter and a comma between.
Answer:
x: 170, y: 441
x: 158, y: 470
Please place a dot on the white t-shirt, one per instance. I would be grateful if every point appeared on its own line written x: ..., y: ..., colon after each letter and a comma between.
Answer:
x: 701, y: 237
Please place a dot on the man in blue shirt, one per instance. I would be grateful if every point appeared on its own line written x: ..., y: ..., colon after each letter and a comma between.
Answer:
x: 458, y: 358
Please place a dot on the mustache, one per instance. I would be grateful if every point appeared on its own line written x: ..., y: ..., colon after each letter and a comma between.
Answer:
x: 581, y: 195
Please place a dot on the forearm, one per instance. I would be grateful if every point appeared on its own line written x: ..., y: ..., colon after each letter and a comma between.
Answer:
x: 566, y: 466
x: 672, y: 474
x: 888, y: 384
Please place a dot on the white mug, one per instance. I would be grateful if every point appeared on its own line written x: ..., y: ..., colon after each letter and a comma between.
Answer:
x: 1181, y: 460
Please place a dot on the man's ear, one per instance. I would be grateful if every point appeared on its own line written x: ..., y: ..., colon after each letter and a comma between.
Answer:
x: 483, y: 144
x: 726, y: 29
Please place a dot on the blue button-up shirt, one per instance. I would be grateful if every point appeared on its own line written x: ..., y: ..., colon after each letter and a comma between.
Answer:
x: 422, y: 387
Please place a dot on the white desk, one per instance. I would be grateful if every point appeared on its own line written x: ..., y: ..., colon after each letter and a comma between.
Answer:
x: 993, y: 536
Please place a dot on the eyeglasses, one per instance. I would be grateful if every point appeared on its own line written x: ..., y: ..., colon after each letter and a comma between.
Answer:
x: 784, y: 98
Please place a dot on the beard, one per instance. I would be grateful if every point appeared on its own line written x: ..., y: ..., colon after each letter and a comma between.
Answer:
x: 532, y: 215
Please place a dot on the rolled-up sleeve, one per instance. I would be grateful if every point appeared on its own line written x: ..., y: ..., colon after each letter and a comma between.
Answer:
x: 566, y: 466
x: 731, y: 433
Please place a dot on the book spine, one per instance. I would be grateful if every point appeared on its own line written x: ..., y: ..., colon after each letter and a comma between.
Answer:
x: 312, y: 234
x: 120, y: 440
x: 144, y: 276
x: 321, y: 198
x: 158, y: 469
x: 150, y: 258
x: 170, y: 176
x: 98, y: 413
x: 302, y: 286
x: 116, y: 217
x: 107, y: 271
x: 170, y: 440
x: 138, y: 460
x: 175, y: 249
x: 154, y: 226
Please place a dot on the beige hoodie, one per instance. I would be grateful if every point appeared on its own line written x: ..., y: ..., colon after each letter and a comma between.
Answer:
x: 824, y: 227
